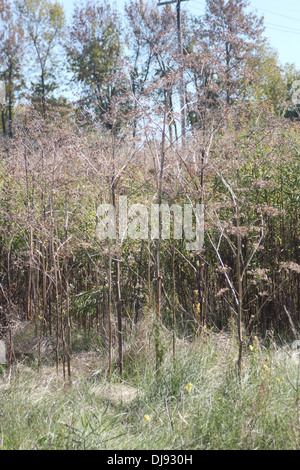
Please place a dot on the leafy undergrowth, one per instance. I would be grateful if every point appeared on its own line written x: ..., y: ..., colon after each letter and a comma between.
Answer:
x: 194, y: 402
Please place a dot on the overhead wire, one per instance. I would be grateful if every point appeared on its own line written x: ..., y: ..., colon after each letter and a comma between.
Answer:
x: 283, y: 28
x: 280, y: 30
x: 271, y: 26
x: 277, y: 14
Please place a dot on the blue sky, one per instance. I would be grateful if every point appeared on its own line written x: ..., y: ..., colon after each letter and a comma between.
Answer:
x: 282, y: 20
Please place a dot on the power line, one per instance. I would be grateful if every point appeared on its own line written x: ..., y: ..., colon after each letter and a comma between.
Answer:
x: 199, y: 1
x: 196, y: 8
x: 271, y: 26
x: 167, y: 2
x: 278, y: 14
x: 254, y: 7
x: 283, y: 30
x: 286, y: 28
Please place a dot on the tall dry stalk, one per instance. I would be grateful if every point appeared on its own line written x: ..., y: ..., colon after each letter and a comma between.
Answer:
x: 117, y: 263
x: 67, y: 287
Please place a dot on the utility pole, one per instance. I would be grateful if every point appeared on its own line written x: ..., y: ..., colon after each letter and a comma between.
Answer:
x: 181, y: 76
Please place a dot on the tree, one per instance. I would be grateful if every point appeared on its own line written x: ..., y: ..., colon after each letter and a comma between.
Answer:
x: 154, y: 54
x: 95, y: 51
x: 234, y: 35
x: 44, y: 24
x: 11, y: 57
x: 151, y: 40
x: 273, y: 83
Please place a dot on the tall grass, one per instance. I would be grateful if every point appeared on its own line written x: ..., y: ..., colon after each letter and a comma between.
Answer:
x: 196, y: 402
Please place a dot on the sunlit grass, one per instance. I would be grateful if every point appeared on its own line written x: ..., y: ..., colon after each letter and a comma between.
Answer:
x: 197, y: 401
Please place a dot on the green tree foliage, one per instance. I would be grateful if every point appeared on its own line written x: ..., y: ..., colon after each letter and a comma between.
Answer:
x: 273, y: 83
x: 11, y: 60
x: 44, y: 24
x: 95, y: 52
